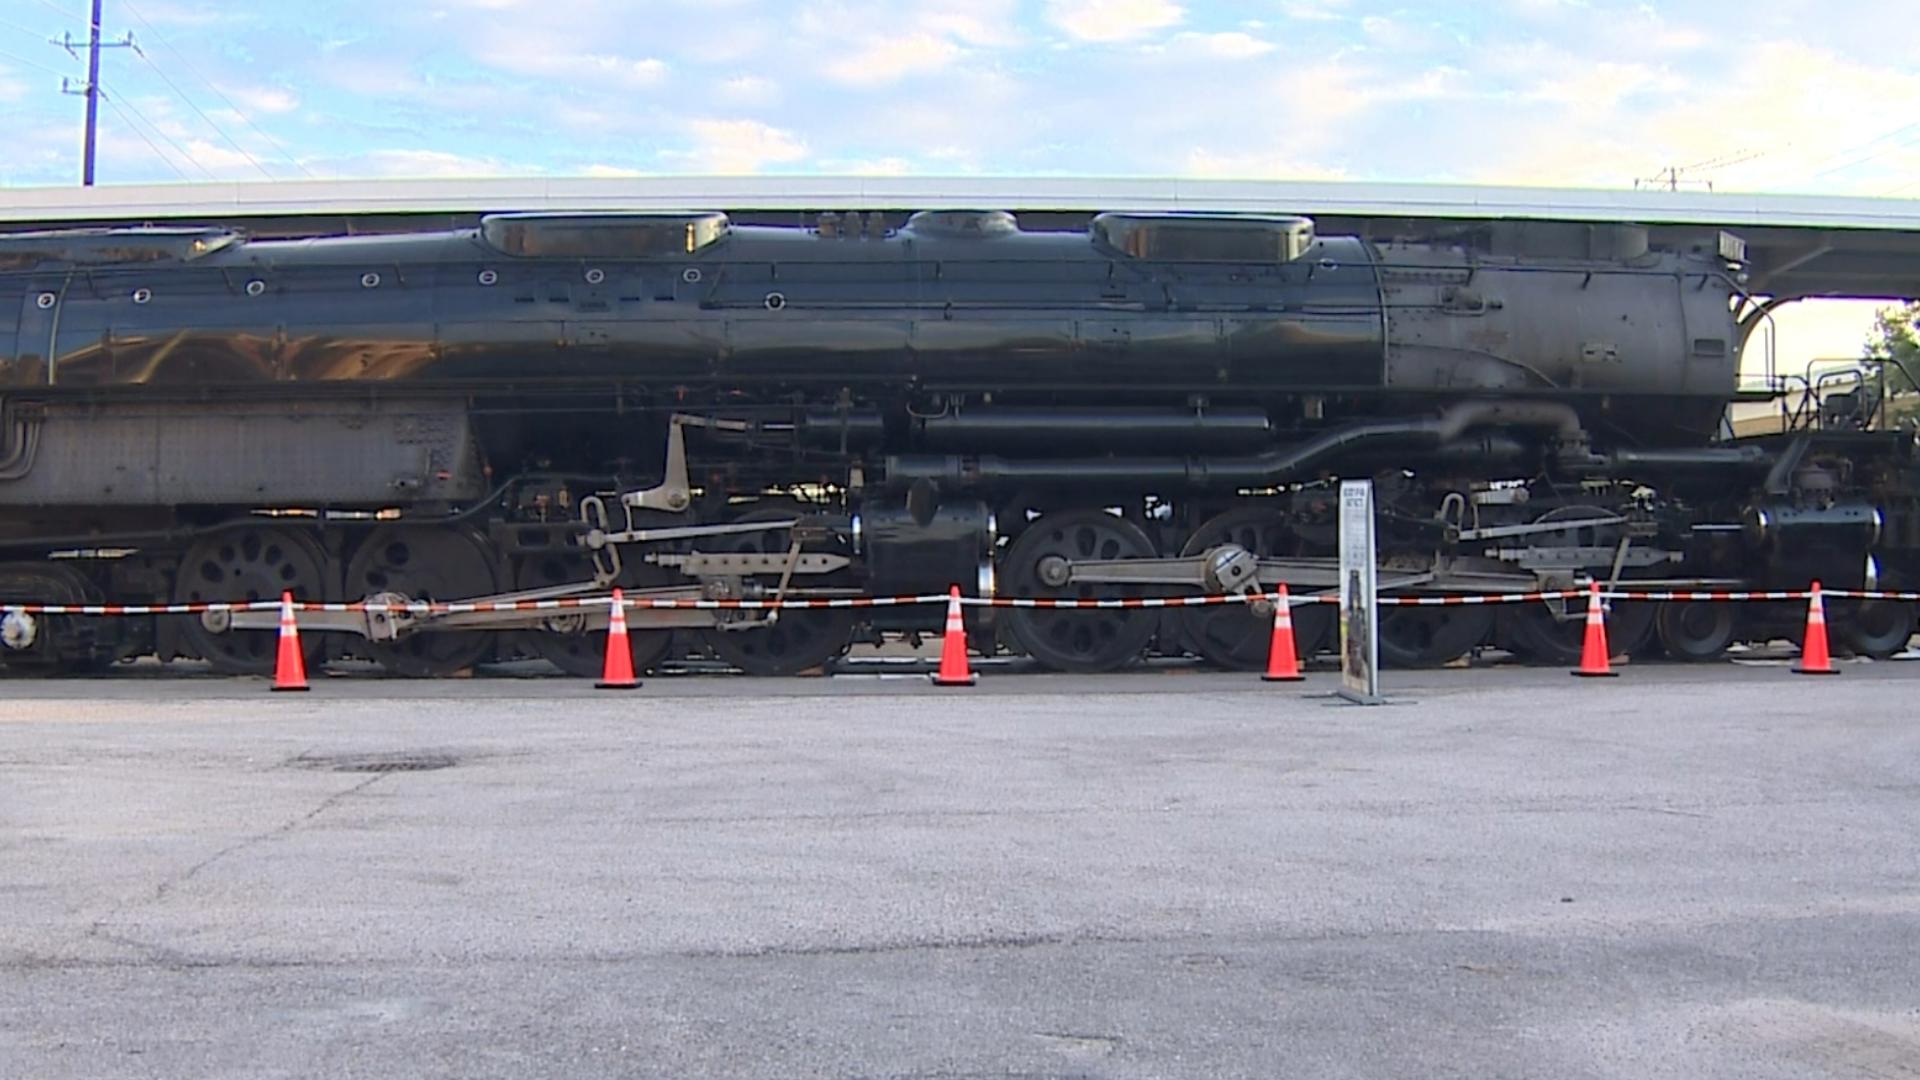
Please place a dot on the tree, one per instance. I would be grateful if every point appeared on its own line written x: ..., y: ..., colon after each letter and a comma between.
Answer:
x: 1895, y: 336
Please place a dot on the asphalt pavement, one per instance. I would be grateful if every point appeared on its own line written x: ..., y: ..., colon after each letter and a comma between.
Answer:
x: 1682, y: 872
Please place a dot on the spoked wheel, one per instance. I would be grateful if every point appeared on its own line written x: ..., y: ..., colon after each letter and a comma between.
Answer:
x: 425, y: 563
x: 1533, y: 633
x: 1696, y: 630
x: 1426, y: 637
x: 1877, y: 628
x: 563, y: 639
x: 1236, y: 636
x: 1084, y: 640
x: 800, y: 639
x: 248, y: 564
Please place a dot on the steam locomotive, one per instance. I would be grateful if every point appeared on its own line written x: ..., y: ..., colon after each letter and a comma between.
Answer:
x: 548, y: 405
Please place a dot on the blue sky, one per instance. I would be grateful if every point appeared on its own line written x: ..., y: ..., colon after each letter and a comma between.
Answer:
x: 1763, y: 94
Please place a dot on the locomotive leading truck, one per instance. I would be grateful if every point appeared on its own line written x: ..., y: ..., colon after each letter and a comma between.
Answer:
x: 549, y: 405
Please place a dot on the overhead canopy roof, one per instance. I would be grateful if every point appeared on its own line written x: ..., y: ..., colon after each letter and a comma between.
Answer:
x: 1798, y: 245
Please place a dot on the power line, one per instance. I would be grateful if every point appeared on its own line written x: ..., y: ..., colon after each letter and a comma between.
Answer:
x: 170, y: 140
x: 1880, y: 153
x: 31, y: 64
x: 209, y: 84
x: 1857, y: 147
x: 1737, y: 157
x: 23, y: 28
x: 157, y: 152
x: 142, y: 53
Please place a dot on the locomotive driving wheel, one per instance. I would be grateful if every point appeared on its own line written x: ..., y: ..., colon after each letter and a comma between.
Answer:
x: 1536, y: 632
x: 1069, y: 640
x: 1237, y: 636
x: 1427, y: 637
x: 43, y: 645
x: 1696, y: 630
x: 800, y: 639
x: 251, y: 564
x: 564, y: 640
x: 421, y: 562
x: 1877, y: 628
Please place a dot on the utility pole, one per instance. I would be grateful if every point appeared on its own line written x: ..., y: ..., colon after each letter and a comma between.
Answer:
x: 1670, y: 178
x: 91, y: 91
x: 93, y: 94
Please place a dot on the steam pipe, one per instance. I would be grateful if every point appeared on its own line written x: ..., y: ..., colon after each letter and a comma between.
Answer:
x: 1045, y: 429
x: 1274, y: 466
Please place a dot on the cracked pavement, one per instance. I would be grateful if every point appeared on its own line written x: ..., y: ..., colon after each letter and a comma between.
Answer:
x: 1684, y: 872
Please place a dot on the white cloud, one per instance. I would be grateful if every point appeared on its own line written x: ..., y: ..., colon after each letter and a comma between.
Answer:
x: 1113, y: 20
x: 885, y: 60
x: 1314, y: 10
x: 1226, y: 45
x: 611, y: 171
x: 748, y: 90
x: 627, y: 71
x: 1256, y: 165
x: 885, y: 166
x: 165, y: 13
x: 543, y: 44
x: 737, y: 146
x: 416, y: 164
x: 255, y: 100
x: 1808, y: 116
x: 980, y: 23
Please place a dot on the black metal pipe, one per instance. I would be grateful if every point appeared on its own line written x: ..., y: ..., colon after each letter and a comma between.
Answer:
x: 1277, y: 465
x: 1041, y: 430
x: 1704, y: 457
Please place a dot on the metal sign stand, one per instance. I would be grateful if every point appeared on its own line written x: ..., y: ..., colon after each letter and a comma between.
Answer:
x: 1359, y: 588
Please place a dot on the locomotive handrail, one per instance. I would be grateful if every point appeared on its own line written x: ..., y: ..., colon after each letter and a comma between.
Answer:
x: 400, y: 266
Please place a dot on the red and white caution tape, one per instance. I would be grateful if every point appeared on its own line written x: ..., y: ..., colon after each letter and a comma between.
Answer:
x: 423, y: 607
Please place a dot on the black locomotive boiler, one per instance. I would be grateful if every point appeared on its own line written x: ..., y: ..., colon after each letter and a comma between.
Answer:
x: 548, y: 405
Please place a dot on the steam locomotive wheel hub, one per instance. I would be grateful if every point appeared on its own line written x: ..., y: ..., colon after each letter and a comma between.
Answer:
x: 249, y: 564
x: 51, y: 644
x: 799, y: 639
x: 1085, y: 640
x: 431, y: 564
x: 1238, y: 636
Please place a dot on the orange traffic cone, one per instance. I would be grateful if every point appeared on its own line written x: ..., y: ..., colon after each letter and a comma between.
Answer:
x: 290, y: 668
x: 1593, y: 651
x: 1283, y: 665
x: 1814, y: 658
x: 953, y: 648
x: 617, y: 672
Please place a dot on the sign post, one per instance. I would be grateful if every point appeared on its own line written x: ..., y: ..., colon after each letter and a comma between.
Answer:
x: 1359, y: 609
